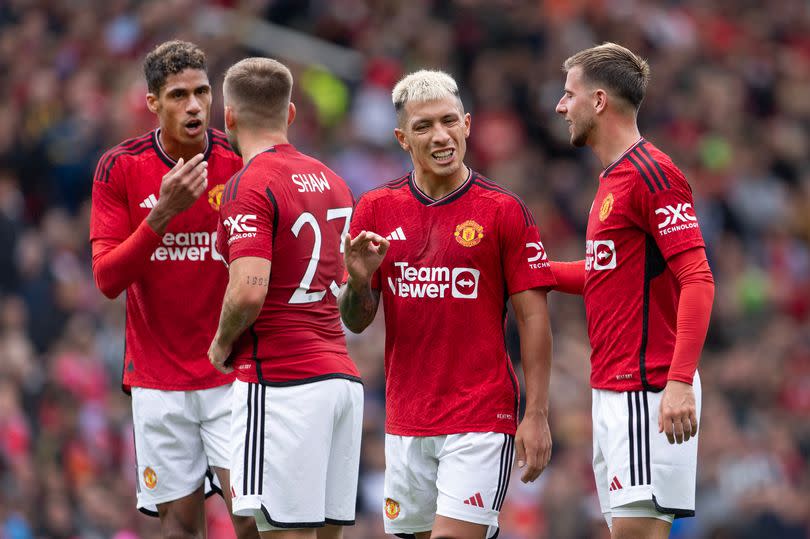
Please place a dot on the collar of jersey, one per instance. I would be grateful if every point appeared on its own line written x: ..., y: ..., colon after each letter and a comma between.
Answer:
x: 165, y: 156
x: 613, y: 165
x: 446, y: 199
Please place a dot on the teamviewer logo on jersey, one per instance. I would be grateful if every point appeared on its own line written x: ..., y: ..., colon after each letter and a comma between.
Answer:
x: 434, y: 282
x: 465, y: 283
x: 600, y: 255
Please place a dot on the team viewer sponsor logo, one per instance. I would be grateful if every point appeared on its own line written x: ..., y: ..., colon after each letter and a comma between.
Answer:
x: 193, y: 246
x: 600, y: 255
x: 538, y: 258
x: 676, y: 218
x: 430, y: 282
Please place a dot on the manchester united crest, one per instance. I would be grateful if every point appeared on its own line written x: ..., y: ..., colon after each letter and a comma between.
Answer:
x: 149, y: 478
x: 607, y: 207
x: 469, y: 233
x: 215, y: 196
x: 391, y: 508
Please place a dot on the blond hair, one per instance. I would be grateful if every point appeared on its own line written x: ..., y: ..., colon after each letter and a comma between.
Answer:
x: 259, y: 91
x: 423, y: 85
x: 619, y: 69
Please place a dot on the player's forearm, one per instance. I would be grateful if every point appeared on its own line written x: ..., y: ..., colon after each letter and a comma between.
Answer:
x: 115, y: 267
x: 240, y: 308
x: 534, y: 329
x: 570, y: 276
x: 358, y: 305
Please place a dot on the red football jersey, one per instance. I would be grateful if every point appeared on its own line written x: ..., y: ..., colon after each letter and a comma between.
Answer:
x: 173, y: 309
x: 445, y: 280
x: 642, y: 215
x: 290, y: 209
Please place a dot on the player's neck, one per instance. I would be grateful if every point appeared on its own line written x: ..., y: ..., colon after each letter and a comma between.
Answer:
x: 252, y: 144
x: 437, y: 187
x: 176, y: 150
x: 613, y: 140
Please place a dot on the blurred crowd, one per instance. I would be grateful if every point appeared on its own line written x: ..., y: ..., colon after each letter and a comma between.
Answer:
x: 729, y: 101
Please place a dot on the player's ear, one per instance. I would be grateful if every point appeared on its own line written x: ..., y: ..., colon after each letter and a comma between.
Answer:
x: 401, y: 139
x: 230, y: 118
x: 467, y: 121
x: 290, y: 114
x: 152, y: 103
x: 601, y: 98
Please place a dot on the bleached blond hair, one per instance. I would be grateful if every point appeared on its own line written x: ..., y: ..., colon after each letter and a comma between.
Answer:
x: 423, y: 85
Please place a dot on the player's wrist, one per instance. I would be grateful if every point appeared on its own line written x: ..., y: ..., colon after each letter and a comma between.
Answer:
x: 158, y: 219
x: 358, y: 284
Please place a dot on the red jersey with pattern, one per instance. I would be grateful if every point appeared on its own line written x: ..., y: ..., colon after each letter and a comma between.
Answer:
x: 291, y: 209
x: 173, y: 309
x: 642, y: 215
x: 450, y: 268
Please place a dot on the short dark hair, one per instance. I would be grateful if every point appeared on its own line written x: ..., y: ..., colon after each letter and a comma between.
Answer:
x: 618, y: 68
x: 170, y: 58
x: 259, y: 89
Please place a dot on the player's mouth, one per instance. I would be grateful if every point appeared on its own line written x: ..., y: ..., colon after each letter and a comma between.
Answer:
x: 444, y: 157
x: 193, y: 127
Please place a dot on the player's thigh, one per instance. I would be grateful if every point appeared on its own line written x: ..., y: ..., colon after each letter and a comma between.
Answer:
x: 282, y: 438
x: 640, y: 465
x: 169, y: 451
x: 409, y: 491
x: 473, y: 476
x: 344, y: 455
x: 600, y: 467
x: 639, y: 520
x: 451, y: 528
x: 215, y: 406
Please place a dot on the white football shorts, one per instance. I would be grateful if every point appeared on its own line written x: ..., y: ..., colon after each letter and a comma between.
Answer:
x: 295, y: 455
x: 179, y: 435
x: 460, y: 476
x: 638, y: 472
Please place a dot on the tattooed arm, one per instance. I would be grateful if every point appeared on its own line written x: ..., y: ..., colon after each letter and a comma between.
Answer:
x: 358, y: 301
x: 244, y: 297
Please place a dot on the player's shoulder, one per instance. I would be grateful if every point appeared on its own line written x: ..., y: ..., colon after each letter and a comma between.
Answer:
x: 121, y: 154
x: 393, y: 188
x: 651, y: 168
x: 484, y: 188
x: 220, y: 147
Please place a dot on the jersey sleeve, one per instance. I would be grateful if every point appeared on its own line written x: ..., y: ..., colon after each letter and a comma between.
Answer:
x: 525, y: 263
x: 109, y: 209
x: 246, y: 223
x: 666, y: 211
x: 363, y: 219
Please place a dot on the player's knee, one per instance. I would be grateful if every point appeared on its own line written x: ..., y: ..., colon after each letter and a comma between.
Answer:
x: 176, y: 530
x: 639, y: 528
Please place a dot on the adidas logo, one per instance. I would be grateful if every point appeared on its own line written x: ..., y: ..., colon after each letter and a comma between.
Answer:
x: 149, y: 202
x: 475, y: 500
x: 397, y: 234
x: 615, y: 485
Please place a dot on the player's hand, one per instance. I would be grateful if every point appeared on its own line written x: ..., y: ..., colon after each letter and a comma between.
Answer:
x: 179, y: 189
x: 533, y: 445
x: 677, y: 414
x: 363, y: 255
x: 218, y: 356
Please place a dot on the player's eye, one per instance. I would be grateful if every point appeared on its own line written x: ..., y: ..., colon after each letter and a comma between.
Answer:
x: 202, y: 91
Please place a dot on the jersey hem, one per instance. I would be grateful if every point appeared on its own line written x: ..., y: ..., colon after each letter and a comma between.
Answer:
x: 164, y: 387
x: 311, y: 380
x: 447, y: 431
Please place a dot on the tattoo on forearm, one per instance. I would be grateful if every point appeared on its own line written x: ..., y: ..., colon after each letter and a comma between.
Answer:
x: 357, y: 309
x: 253, y: 280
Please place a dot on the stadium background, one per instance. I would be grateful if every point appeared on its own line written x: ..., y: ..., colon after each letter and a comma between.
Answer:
x: 729, y: 100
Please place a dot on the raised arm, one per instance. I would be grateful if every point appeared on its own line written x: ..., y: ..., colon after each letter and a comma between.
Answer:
x: 358, y: 301
x: 117, y: 264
